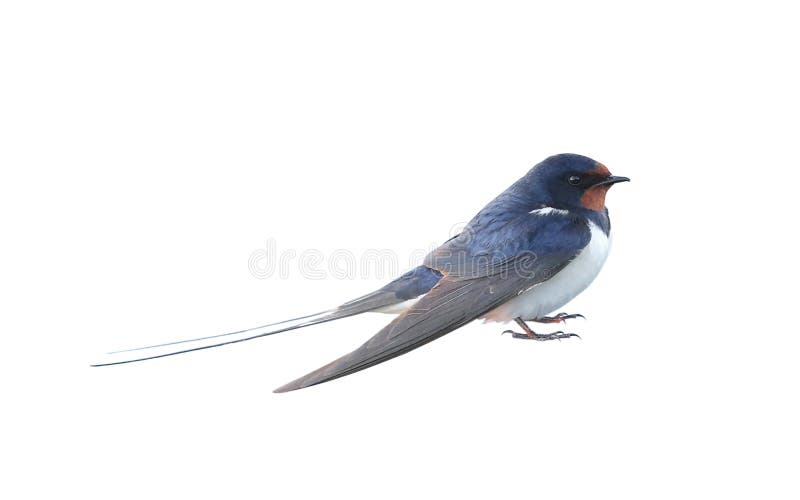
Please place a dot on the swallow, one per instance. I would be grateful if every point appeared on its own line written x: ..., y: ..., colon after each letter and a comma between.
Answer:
x: 526, y: 254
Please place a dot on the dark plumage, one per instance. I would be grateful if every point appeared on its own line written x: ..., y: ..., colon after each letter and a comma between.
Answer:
x: 526, y: 237
x: 502, y: 251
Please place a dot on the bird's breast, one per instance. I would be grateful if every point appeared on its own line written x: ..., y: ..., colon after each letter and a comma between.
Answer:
x: 556, y: 292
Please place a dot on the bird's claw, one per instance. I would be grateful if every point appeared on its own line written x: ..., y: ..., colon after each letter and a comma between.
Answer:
x: 541, y: 337
x: 558, y: 318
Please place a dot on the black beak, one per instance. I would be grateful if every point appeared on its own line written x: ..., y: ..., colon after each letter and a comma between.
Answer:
x: 612, y: 180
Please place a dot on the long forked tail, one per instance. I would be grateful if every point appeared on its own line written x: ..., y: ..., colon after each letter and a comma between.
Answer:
x: 198, y: 344
x: 408, y: 286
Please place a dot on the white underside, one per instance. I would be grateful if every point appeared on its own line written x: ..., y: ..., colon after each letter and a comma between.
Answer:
x: 552, y: 294
x: 556, y: 292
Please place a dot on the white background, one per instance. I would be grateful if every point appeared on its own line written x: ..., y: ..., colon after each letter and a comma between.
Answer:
x: 149, y: 148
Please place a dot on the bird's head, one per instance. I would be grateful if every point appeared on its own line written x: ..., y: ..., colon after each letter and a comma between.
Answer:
x: 570, y: 181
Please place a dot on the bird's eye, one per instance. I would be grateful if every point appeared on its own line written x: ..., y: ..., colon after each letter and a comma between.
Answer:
x: 574, y: 179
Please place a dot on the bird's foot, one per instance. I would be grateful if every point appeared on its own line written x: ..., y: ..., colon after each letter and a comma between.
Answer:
x: 541, y: 337
x: 531, y: 335
x: 558, y: 318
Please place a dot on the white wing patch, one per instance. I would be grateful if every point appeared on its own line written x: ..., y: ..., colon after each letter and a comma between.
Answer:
x: 548, y: 210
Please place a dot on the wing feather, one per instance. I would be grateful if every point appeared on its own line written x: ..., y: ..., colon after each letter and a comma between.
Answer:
x: 451, y: 304
x: 480, y: 273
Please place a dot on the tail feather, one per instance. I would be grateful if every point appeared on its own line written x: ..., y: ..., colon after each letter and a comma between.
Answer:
x: 166, y: 344
x: 412, y: 284
x: 373, y: 301
x: 329, y: 317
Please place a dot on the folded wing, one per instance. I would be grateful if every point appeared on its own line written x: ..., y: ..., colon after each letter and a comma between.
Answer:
x: 469, y: 290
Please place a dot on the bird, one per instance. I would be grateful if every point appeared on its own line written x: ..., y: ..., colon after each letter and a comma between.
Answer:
x: 525, y: 255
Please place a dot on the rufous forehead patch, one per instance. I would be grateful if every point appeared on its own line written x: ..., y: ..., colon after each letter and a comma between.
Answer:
x: 594, y: 198
x: 600, y: 170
